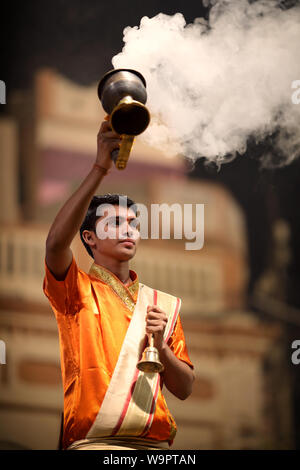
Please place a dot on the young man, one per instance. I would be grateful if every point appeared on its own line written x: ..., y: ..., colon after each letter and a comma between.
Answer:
x: 104, y: 318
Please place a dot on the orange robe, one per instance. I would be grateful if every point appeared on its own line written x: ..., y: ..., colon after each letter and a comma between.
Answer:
x: 93, y: 312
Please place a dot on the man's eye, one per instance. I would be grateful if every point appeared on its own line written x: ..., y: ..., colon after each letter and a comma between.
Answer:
x: 135, y: 224
x: 114, y: 222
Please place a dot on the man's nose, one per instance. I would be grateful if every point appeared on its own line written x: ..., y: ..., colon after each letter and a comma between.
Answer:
x: 129, y: 231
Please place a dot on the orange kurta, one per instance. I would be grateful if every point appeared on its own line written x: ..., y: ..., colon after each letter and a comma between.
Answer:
x: 93, y: 312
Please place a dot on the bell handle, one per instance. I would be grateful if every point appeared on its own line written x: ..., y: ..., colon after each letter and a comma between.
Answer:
x: 151, y: 340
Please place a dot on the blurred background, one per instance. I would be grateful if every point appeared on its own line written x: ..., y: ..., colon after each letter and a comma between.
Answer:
x: 240, y: 293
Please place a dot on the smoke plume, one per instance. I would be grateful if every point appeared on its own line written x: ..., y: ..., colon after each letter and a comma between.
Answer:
x: 213, y: 84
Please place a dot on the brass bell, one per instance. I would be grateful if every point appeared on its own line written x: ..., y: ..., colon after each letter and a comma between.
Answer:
x: 150, y: 359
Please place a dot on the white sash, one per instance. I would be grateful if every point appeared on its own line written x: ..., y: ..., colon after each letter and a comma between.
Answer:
x: 129, y: 403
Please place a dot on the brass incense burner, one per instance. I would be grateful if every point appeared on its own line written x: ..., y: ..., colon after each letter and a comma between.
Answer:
x: 122, y: 93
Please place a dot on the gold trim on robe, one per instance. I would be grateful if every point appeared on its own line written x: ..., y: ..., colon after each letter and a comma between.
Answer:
x: 127, y: 293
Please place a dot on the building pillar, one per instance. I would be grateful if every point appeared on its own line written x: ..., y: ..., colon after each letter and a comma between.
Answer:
x: 9, y: 207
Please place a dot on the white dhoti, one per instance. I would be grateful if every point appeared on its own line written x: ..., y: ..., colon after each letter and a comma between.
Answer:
x: 119, y: 443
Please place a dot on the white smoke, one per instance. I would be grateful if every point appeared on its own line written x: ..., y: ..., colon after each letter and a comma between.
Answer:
x: 213, y: 84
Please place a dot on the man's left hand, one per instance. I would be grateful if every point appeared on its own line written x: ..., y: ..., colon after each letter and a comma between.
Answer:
x: 156, y: 321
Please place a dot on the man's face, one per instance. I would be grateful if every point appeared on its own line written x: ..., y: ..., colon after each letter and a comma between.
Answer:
x: 116, y: 233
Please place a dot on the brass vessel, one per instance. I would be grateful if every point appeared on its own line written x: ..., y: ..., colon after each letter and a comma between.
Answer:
x: 123, y: 95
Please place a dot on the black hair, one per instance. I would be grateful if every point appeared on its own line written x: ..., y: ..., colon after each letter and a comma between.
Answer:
x: 91, y: 217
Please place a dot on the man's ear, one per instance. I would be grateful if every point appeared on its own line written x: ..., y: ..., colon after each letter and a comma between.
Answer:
x: 88, y: 236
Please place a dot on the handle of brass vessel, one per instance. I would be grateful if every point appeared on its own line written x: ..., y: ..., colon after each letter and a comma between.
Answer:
x: 120, y: 156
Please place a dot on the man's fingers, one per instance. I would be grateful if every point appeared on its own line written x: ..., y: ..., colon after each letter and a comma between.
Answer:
x: 113, y: 146
x: 108, y: 135
x: 156, y: 308
x: 107, y: 132
x: 154, y: 329
x: 156, y: 315
x: 105, y: 126
x: 154, y: 322
x: 110, y: 142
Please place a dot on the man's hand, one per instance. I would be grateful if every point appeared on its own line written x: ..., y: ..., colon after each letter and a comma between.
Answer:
x: 107, y: 141
x: 177, y: 375
x: 156, y: 321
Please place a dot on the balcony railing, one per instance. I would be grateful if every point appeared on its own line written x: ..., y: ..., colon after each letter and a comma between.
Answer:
x: 22, y: 251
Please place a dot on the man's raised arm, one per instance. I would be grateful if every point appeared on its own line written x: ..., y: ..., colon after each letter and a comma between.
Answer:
x: 70, y: 217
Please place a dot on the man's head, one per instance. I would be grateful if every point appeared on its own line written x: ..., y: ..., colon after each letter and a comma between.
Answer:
x: 105, y: 228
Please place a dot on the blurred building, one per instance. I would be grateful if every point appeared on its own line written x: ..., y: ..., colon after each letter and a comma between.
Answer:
x: 47, y: 147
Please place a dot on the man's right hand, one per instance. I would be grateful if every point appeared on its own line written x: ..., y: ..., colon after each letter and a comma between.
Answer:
x: 107, y: 141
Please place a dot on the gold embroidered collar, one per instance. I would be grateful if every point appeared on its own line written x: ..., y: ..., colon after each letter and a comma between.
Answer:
x: 127, y: 294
